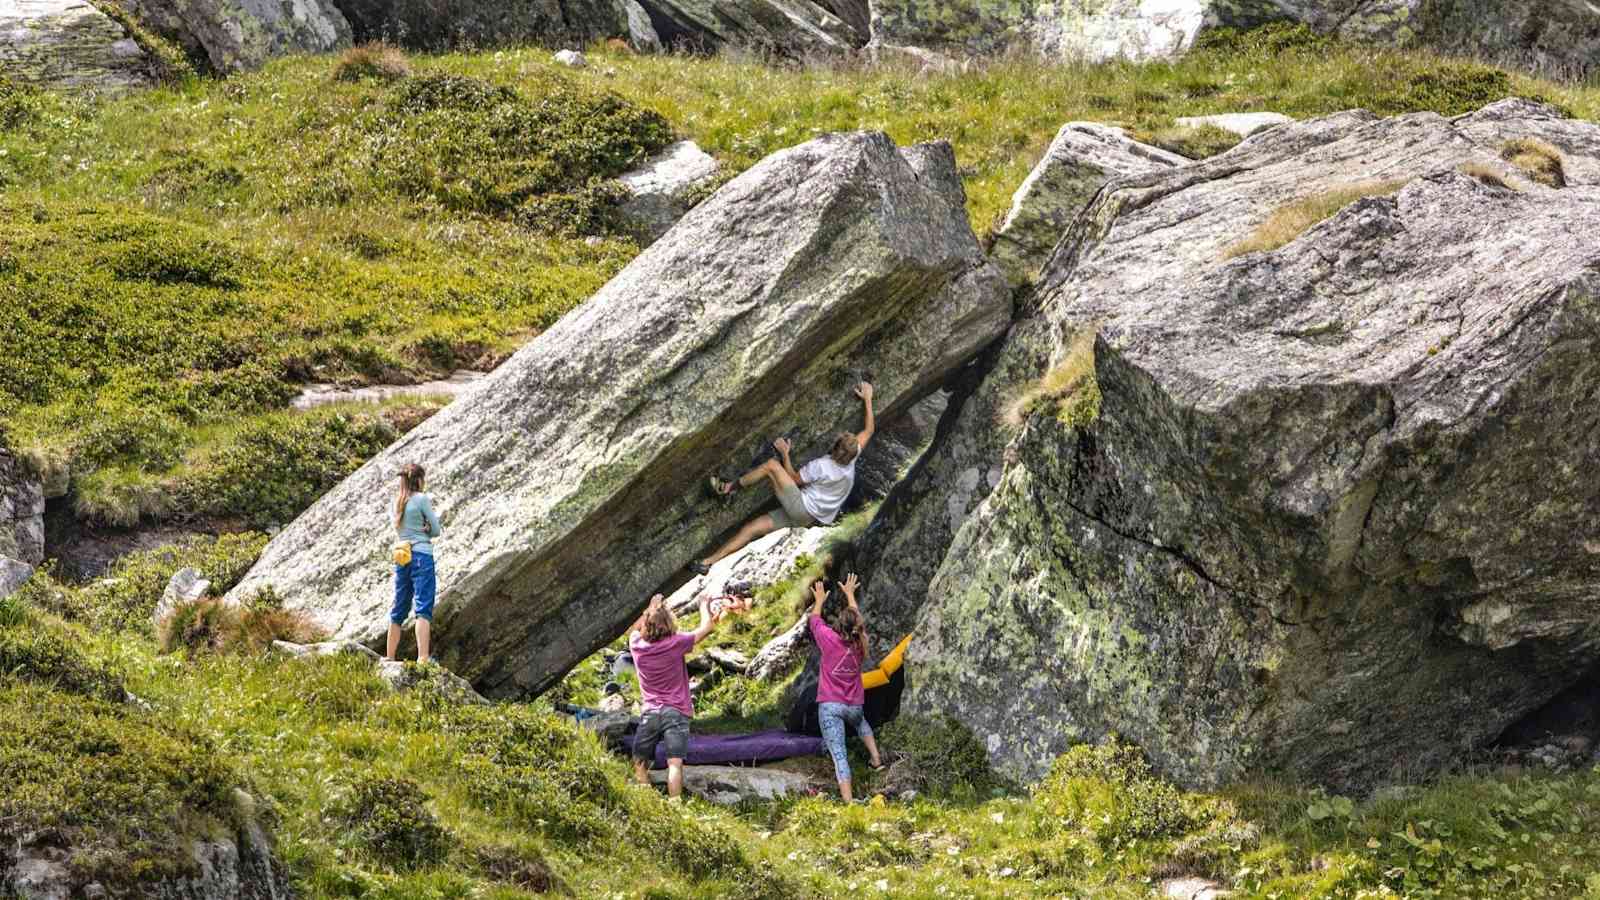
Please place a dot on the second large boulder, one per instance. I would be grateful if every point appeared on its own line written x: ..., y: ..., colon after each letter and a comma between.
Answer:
x: 571, y: 479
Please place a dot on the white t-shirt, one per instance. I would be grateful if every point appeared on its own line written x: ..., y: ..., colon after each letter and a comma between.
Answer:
x: 827, y: 484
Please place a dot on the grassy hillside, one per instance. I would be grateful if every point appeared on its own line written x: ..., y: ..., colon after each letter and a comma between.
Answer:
x: 374, y: 794
x: 183, y: 259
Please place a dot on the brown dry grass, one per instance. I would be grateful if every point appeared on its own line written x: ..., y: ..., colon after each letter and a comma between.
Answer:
x: 1293, y: 219
x: 1537, y: 159
x: 1490, y: 176
x: 1070, y: 385
x: 376, y: 61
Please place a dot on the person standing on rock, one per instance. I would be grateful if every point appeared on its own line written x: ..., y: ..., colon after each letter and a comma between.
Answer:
x: 414, y: 583
x: 841, y: 699
x: 811, y: 496
x: 659, y: 650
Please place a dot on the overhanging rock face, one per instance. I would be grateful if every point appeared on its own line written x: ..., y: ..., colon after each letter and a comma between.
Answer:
x: 1335, y: 516
x: 571, y: 479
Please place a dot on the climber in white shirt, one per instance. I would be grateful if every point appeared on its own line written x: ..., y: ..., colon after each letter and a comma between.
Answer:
x: 811, y: 496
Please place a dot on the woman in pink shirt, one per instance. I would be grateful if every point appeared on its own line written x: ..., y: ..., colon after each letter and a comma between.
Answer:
x: 658, y: 649
x: 840, y: 696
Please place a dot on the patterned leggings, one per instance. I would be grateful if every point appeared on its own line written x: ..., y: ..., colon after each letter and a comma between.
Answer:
x: 833, y: 717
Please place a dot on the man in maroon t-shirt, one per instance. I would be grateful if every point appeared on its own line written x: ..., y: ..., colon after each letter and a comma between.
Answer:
x: 659, y: 649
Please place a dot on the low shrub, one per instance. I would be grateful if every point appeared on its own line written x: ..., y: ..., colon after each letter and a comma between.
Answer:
x: 590, y: 210
x: 1109, y: 791
x: 375, y: 61
x: 1291, y: 220
x: 388, y: 819
x: 125, y: 599
x: 19, y: 104
x: 1537, y: 159
x: 522, y: 867
x: 938, y: 756
x: 1271, y: 39
x: 273, y: 468
x: 36, y: 652
x: 124, y: 792
x: 472, y: 145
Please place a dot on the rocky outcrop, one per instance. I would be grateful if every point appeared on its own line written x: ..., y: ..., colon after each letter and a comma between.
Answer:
x: 235, y: 35
x: 1242, y: 124
x: 793, y: 29
x: 13, y: 575
x: 21, y: 510
x: 733, y: 785
x: 761, y: 562
x: 234, y: 861
x: 323, y: 648
x: 1081, y: 159
x: 1299, y: 536
x: 70, y: 44
x: 782, y: 655
x: 1560, y: 37
x: 405, y: 676
x: 185, y: 586
x: 661, y: 190
x: 571, y: 479
x: 315, y: 395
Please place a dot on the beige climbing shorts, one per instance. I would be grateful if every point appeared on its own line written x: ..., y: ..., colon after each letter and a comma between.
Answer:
x: 792, y: 511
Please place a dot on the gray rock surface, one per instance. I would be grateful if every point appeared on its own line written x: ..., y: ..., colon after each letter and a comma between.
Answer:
x: 410, y: 676
x: 185, y: 586
x: 1283, y: 545
x: 794, y: 29
x: 761, y: 562
x: 611, y: 727
x: 13, y: 575
x: 21, y: 510
x: 236, y: 35
x: 1081, y: 159
x: 70, y: 44
x: 324, y: 648
x: 1242, y: 124
x: 782, y: 655
x: 571, y: 479
x: 660, y: 190
x: 732, y: 785
x: 315, y: 395
x: 1560, y: 37
x: 642, y: 34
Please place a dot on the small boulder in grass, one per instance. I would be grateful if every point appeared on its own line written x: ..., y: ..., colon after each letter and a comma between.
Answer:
x: 571, y: 58
x: 185, y: 586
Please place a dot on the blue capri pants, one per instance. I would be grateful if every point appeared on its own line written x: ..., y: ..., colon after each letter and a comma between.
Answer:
x: 414, y: 584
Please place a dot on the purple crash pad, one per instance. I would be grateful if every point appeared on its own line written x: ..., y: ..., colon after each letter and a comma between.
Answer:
x: 739, y: 749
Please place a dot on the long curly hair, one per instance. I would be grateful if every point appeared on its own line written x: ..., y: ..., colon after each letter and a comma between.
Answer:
x: 659, y: 624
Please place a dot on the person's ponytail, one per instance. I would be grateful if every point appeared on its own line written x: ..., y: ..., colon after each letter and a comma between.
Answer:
x: 410, y: 483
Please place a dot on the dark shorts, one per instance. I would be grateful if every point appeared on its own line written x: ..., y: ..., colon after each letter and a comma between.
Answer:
x: 414, y: 589
x: 659, y: 725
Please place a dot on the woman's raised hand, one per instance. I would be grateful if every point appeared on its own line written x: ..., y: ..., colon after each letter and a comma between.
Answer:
x: 851, y: 582
x: 818, y: 592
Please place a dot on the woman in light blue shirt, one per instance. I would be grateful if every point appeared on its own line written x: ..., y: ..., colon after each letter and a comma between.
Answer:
x: 414, y: 584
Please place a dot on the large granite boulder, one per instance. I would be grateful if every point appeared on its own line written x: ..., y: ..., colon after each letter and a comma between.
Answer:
x: 1557, y: 36
x: 792, y: 29
x: 1081, y: 159
x: 571, y: 479
x: 21, y: 510
x: 445, y: 24
x: 662, y: 188
x: 70, y: 44
x: 237, y: 35
x: 1330, y: 518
